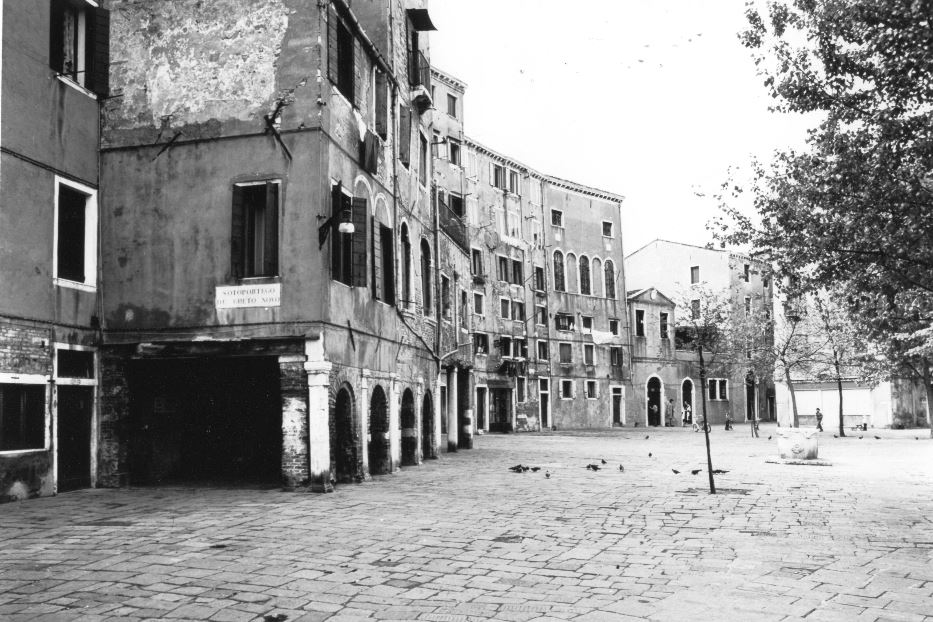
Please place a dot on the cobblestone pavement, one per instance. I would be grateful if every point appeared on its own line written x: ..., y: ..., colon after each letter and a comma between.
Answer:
x: 463, y: 538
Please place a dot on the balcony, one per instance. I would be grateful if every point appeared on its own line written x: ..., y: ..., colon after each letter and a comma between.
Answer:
x: 419, y: 77
x: 453, y: 226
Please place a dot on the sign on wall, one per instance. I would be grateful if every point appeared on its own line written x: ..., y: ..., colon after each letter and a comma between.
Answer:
x: 245, y: 296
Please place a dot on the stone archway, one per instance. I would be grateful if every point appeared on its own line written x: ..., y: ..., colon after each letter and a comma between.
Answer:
x: 653, y: 403
x: 686, y: 398
x: 378, y: 445
x: 345, y: 450
x: 408, y: 424
x: 428, y: 450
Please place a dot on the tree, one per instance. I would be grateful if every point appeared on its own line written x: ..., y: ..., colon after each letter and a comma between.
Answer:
x: 855, y: 208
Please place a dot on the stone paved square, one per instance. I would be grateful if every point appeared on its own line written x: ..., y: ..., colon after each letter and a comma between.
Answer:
x: 463, y: 538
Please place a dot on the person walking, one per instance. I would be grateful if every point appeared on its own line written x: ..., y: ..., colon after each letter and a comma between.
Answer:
x: 819, y: 420
x: 687, y: 416
x: 669, y: 414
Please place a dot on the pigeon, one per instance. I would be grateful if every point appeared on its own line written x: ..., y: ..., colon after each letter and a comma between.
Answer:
x: 517, y: 468
x: 676, y: 472
x: 646, y: 436
x: 525, y: 468
x: 649, y: 454
x: 603, y: 461
x: 547, y: 474
x: 878, y: 438
x: 916, y: 438
x: 719, y: 471
x: 861, y: 437
x: 535, y: 469
x: 621, y: 468
x: 835, y: 436
x: 278, y: 617
x: 769, y: 438
x: 695, y: 471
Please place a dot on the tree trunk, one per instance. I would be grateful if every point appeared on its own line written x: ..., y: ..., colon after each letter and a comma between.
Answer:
x: 709, y: 456
x: 928, y: 387
x: 793, y: 398
x: 842, y: 427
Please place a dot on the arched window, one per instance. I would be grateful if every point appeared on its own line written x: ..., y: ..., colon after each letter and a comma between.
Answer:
x: 610, y: 280
x: 573, y: 283
x: 559, y: 282
x: 426, y: 297
x: 406, y: 266
x: 597, y: 273
x: 585, y: 275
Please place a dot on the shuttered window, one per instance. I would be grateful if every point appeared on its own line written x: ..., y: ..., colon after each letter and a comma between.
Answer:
x: 79, y: 44
x: 254, y: 246
x: 341, y: 243
x: 404, y: 135
x: 343, y: 52
x: 426, y: 297
x: 382, y: 105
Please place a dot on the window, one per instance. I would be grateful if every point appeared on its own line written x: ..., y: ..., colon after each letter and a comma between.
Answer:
x: 505, y: 346
x: 717, y: 388
x: 476, y: 262
x: 404, y: 135
x: 478, y: 303
x: 541, y: 315
x: 520, y: 348
x: 607, y: 229
x: 254, y: 243
x: 563, y: 321
x: 22, y: 417
x: 539, y: 278
x: 406, y: 267
x: 591, y: 392
x: 513, y: 224
x: 639, y: 323
x: 765, y: 281
x: 585, y: 275
x: 383, y: 259
x: 480, y: 343
x: 514, y: 187
x: 694, y: 275
x: 520, y: 389
x: 587, y: 322
x: 75, y: 234
x: 615, y: 356
x: 610, y: 278
x: 503, y: 268
x: 557, y: 218
x: 505, y: 308
x: 588, y: 354
x: 746, y: 272
x: 74, y: 363
x: 566, y: 353
x: 382, y: 105
x: 79, y: 44
x: 559, y: 282
x: 341, y: 57
x: 453, y: 147
x: 445, y: 297
x: 464, y: 309
x: 748, y: 306
x: 518, y: 311
x: 614, y: 327
x: 518, y: 273
x: 597, y: 275
x: 542, y: 351
x: 452, y: 105
x: 498, y: 176
x: 566, y: 389
x: 423, y: 171
x: 456, y: 204
x: 695, y: 309
x: 426, y: 294
x: 664, y: 334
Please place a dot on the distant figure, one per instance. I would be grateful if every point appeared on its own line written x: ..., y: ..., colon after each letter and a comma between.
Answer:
x: 687, y: 415
x: 653, y: 411
x: 728, y: 423
x: 819, y: 420
x: 669, y: 414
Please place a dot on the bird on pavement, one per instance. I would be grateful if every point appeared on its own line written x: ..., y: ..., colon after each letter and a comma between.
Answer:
x: 695, y: 471
x: 649, y: 454
x: 535, y: 469
x: 547, y: 474
x: 719, y: 471
x: 592, y: 467
x: 517, y: 468
x: 647, y: 436
x: 861, y: 437
x: 878, y: 438
x: 835, y: 436
x: 769, y: 438
x: 621, y: 468
x: 603, y: 461
x: 676, y: 472
x: 278, y: 617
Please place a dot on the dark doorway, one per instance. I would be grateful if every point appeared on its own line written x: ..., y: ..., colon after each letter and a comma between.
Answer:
x: 654, y: 402
x: 344, y: 440
x: 75, y: 405
x: 686, y: 391
x: 409, y: 432
x: 464, y: 422
x: 481, y: 408
x: 378, y: 446
x: 500, y: 410
x: 750, y: 405
x: 427, y: 428
x: 544, y: 402
x: 211, y: 420
x: 617, y: 412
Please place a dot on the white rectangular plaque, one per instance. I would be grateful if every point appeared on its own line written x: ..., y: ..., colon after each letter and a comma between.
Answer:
x: 245, y: 296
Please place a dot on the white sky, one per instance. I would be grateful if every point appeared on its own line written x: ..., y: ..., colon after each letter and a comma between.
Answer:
x: 650, y: 99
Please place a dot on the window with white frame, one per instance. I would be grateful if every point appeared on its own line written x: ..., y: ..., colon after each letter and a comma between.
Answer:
x: 514, y: 183
x: 588, y: 354
x: 75, y: 246
x: 542, y: 350
x: 541, y: 315
x: 22, y: 416
x: 480, y: 344
x: 557, y: 218
x: 614, y: 327
x: 587, y: 322
x: 520, y: 348
x: 717, y: 389
x: 563, y: 321
x: 79, y: 43
x: 591, y: 390
x: 639, y: 323
x: 518, y: 311
x: 476, y: 262
x: 607, y: 229
x: 566, y: 389
x: 566, y: 353
x: 478, y: 300
x: 505, y: 308
x: 497, y: 178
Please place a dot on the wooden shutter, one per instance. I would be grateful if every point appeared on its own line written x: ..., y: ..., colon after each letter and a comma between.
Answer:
x: 404, y: 135
x: 57, y: 35
x: 336, y: 195
x: 270, y: 266
x: 98, y: 52
x: 358, y: 73
x: 333, y: 55
x: 377, y: 260
x: 382, y: 96
x: 238, y: 220
x: 359, y: 243
x: 387, y: 247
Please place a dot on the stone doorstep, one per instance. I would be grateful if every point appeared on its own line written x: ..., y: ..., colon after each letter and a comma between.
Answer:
x: 791, y: 461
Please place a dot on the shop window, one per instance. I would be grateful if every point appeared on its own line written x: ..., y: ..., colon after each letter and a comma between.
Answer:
x: 74, y: 363
x: 22, y: 417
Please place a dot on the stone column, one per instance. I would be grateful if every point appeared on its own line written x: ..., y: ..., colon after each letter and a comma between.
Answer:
x: 419, y: 423
x: 395, y: 432
x: 292, y: 384
x: 319, y: 475
x: 469, y: 424
x: 363, y: 406
x: 438, y: 437
x: 452, y: 410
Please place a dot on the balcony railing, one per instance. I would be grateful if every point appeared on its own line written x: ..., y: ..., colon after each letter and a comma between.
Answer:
x: 453, y: 226
x: 419, y: 70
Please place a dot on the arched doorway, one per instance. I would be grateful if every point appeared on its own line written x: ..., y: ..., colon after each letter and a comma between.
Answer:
x: 686, y: 398
x: 751, y: 402
x: 344, y: 440
x: 653, y: 405
x: 427, y: 428
x: 409, y: 432
x: 378, y: 446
